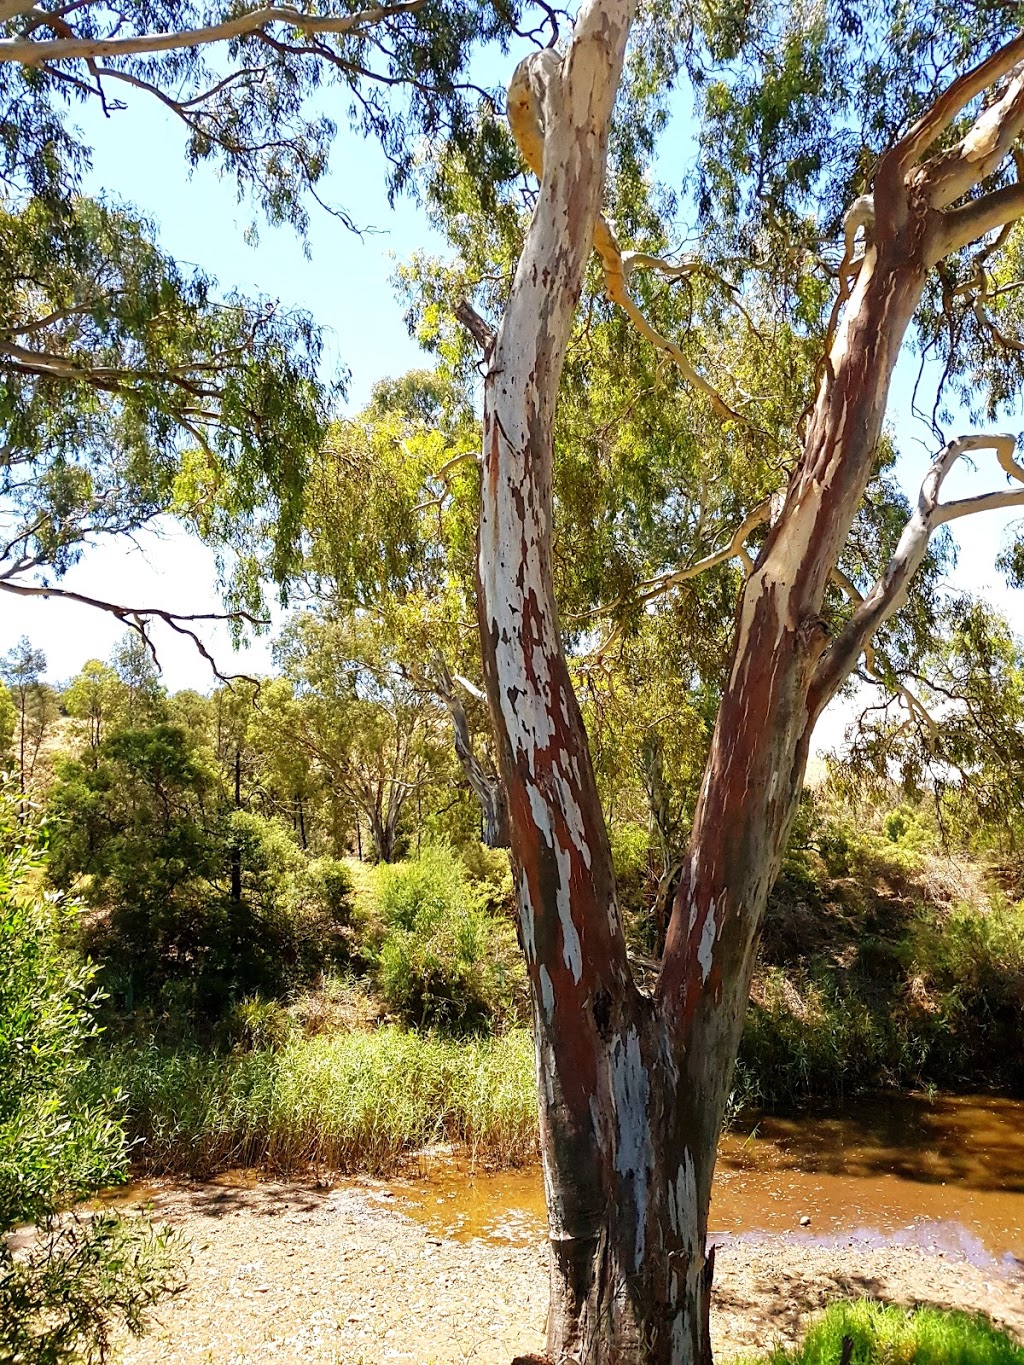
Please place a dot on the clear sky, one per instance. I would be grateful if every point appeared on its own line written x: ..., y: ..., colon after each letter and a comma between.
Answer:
x: 345, y: 281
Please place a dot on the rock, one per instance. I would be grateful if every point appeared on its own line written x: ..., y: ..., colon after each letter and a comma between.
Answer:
x: 805, y: 1221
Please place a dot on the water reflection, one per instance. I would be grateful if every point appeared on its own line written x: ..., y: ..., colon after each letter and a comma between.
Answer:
x: 945, y: 1175
x: 977, y: 1143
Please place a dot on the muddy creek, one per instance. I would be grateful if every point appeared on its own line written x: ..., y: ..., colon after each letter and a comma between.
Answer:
x: 945, y: 1175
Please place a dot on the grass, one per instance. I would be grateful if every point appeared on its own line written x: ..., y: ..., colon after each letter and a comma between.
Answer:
x: 355, y: 1101
x: 887, y: 1335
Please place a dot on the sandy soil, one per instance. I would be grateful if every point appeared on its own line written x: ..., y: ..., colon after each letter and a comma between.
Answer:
x: 289, y: 1272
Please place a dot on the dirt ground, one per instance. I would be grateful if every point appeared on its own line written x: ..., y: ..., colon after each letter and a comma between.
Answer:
x: 293, y: 1273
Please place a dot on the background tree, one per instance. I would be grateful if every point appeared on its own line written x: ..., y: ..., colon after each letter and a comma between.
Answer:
x: 132, y: 386
x: 955, y: 740
x: 368, y: 732
x: 35, y: 708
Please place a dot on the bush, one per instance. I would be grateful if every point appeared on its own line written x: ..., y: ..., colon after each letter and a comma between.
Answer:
x: 197, y: 905
x: 971, y: 967
x: 443, y: 961
x: 257, y: 1023
x: 886, y: 1335
x: 58, y: 1298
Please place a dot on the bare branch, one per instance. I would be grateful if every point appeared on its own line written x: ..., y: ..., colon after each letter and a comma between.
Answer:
x: 911, y: 700
x: 655, y: 587
x: 139, y: 619
x: 32, y: 52
x: 891, y: 590
x: 617, y: 270
x: 941, y: 114
x: 474, y: 325
x: 974, y: 220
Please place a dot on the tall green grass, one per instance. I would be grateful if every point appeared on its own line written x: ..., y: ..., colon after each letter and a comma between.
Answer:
x: 886, y: 1335
x: 356, y: 1101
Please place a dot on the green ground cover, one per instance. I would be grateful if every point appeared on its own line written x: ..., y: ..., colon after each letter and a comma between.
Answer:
x: 879, y: 1334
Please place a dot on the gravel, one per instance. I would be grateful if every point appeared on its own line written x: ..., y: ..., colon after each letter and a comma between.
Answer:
x: 297, y: 1273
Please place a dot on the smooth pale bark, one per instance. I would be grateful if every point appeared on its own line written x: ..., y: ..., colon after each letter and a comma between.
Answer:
x: 487, y: 787
x: 632, y: 1088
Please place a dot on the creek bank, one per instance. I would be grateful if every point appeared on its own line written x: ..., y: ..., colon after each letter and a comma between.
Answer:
x: 290, y: 1272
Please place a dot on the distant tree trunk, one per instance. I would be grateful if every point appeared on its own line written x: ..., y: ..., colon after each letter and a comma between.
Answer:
x: 488, y: 788
x: 236, y: 847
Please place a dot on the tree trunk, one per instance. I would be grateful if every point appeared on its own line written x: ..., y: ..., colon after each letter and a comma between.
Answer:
x: 488, y: 788
x: 633, y: 1090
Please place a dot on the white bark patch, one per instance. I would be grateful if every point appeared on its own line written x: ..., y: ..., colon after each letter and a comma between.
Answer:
x: 541, y: 814
x: 526, y: 915
x: 634, y: 1151
x: 683, y: 1201
x: 572, y: 950
x: 573, y: 816
x: 705, y: 953
x: 547, y: 993
x: 680, y: 1349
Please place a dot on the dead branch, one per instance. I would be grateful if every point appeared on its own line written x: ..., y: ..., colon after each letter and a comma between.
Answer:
x: 139, y: 619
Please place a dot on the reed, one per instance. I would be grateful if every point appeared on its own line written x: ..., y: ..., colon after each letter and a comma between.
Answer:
x: 356, y: 1101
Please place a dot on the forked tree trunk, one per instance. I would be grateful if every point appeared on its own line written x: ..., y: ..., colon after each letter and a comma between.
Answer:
x: 633, y: 1089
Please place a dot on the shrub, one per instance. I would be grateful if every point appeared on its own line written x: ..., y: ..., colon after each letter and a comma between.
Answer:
x: 971, y: 964
x: 58, y: 1298
x: 257, y: 1023
x: 443, y: 961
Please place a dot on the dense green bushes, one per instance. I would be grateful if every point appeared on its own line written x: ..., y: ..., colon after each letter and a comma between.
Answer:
x: 442, y: 960
x: 197, y: 904
x: 880, y: 1334
x: 59, y: 1296
x: 875, y: 974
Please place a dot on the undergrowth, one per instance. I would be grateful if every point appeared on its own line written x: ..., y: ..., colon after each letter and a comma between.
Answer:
x: 886, y: 1335
x: 355, y: 1101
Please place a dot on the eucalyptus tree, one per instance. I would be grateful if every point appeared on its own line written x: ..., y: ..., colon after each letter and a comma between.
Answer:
x: 363, y: 728
x: 129, y: 385
x: 633, y: 1086
x: 390, y: 522
x: 35, y: 708
x: 959, y: 738
x: 128, y: 389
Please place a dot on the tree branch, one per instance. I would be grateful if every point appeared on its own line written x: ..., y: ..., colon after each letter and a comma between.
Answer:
x: 978, y: 153
x: 617, y: 270
x: 891, y: 590
x: 735, y: 549
x: 964, y: 225
x: 474, y: 325
x: 940, y: 115
x: 525, y: 117
x: 139, y: 619
x: 31, y: 52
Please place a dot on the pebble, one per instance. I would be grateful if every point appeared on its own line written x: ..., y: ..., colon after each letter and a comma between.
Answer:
x: 475, y: 1300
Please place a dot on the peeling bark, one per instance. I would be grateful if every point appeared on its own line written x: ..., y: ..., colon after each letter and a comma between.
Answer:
x: 632, y: 1089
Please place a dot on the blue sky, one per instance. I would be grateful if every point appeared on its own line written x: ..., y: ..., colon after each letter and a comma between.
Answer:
x: 346, y: 283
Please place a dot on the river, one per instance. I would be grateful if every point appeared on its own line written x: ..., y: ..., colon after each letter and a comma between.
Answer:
x: 944, y: 1174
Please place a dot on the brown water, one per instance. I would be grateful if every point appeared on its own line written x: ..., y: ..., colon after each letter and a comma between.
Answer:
x: 946, y: 1175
